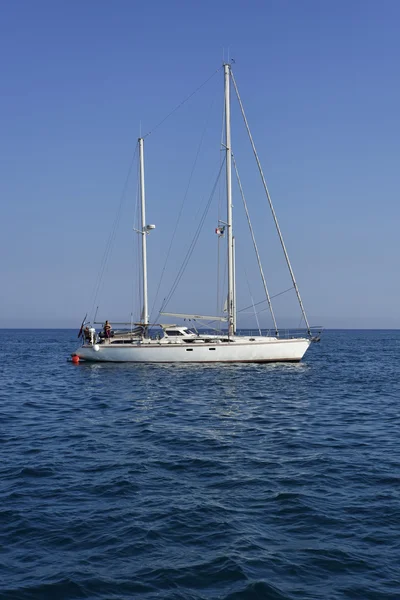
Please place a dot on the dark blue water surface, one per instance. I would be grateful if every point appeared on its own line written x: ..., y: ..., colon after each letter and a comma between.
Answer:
x: 190, y: 482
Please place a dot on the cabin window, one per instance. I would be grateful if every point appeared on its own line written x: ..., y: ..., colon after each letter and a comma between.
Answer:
x: 212, y: 348
x: 189, y: 349
x: 172, y: 333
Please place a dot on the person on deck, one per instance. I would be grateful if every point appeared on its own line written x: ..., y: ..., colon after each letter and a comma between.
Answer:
x: 86, y: 333
x: 107, y: 329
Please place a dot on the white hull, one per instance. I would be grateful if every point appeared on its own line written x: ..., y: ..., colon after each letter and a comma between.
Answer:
x: 241, y: 350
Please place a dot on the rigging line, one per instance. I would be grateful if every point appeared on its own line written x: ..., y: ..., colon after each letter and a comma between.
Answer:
x: 139, y: 287
x: 193, y: 244
x: 255, y: 246
x: 183, y: 203
x: 254, y: 308
x: 189, y: 253
x: 182, y: 103
x: 111, y: 237
x: 262, y: 301
x: 271, y: 206
x: 280, y: 293
x: 202, y: 322
x: 217, y: 329
x: 221, y: 268
x: 135, y: 279
x: 222, y: 307
x: 222, y: 157
x: 208, y: 325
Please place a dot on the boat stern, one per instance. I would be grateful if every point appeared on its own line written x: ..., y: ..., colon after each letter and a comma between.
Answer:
x: 86, y: 352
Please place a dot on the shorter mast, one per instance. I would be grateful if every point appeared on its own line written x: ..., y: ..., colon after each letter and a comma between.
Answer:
x: 143, y: 231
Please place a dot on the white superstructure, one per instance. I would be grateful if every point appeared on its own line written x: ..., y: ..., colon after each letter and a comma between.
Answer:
x: 179, y: 344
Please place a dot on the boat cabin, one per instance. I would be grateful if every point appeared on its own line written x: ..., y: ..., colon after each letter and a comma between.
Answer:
x: 175, y: 331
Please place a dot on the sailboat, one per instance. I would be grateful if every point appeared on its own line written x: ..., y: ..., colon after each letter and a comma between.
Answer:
x: 179, y: 344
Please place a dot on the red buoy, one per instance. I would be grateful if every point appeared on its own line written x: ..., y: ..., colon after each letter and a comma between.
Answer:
x: 75, y: 359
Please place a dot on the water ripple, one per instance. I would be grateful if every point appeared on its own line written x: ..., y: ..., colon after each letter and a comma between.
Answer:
x: 238, y: 482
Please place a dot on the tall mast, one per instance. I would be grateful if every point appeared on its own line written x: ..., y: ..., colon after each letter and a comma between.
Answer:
x: 228, y: 161
x: 145, y: 313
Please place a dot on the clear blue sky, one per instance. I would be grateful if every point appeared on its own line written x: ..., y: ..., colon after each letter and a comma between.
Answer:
x: 320, y: 85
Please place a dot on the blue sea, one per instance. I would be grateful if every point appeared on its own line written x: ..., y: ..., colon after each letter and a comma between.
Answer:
x: 275, y: 482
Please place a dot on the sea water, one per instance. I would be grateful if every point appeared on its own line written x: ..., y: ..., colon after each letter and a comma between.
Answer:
x: 276, y: 481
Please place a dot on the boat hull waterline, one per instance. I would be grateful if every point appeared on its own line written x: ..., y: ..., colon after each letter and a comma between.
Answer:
x: 270, y: 350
